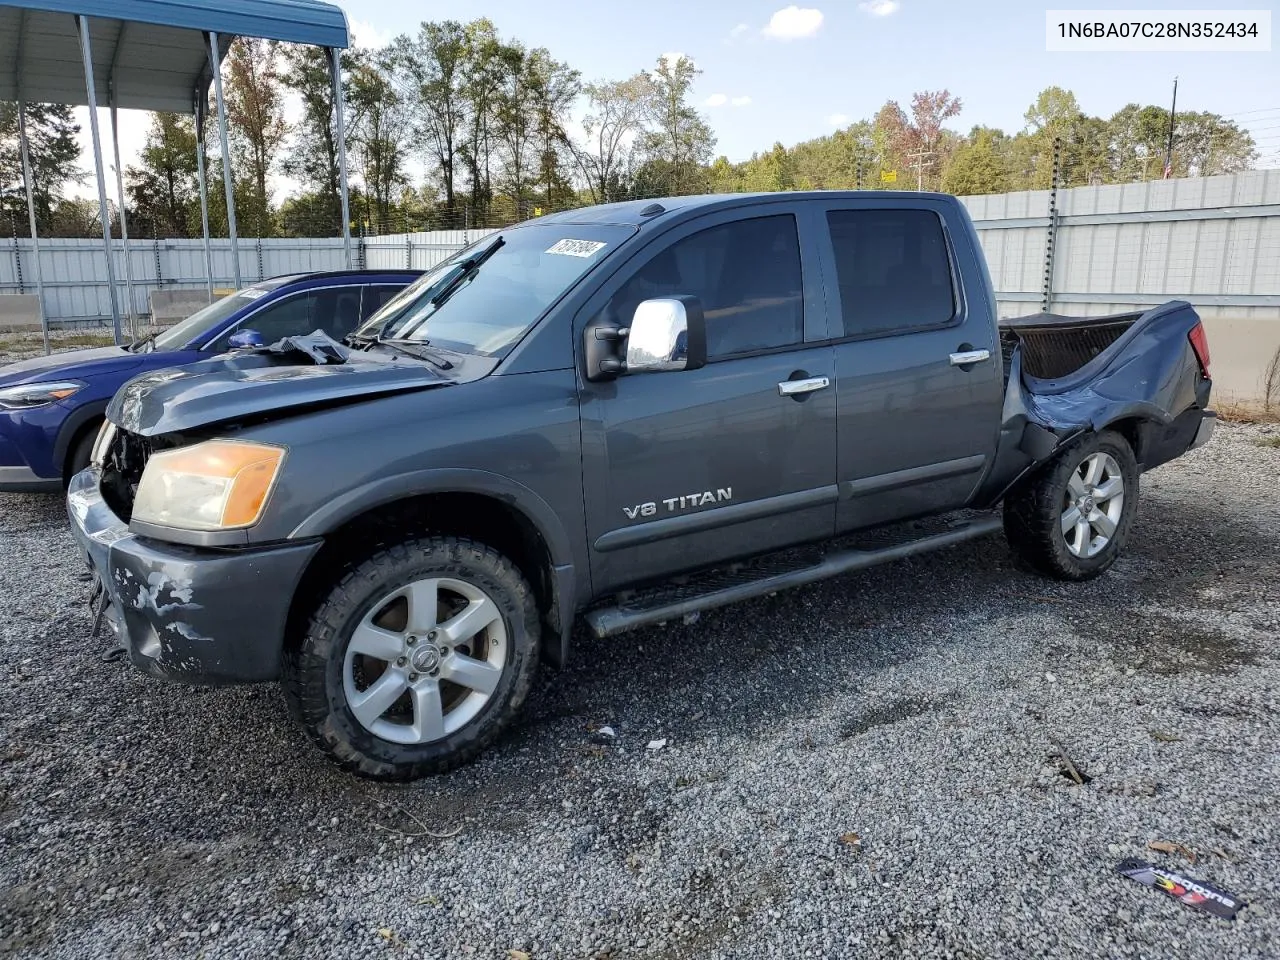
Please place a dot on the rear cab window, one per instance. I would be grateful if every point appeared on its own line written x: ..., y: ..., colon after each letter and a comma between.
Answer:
x: 893, y: 271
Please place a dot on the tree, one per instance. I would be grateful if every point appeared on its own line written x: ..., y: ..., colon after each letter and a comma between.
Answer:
x: 772, y: 171
x: 1205, y: 145
x: 163, y: 189
x: 485, y: 61
x: 53, y: 151
x: 314, y: 155
x: 255, y: 116
x: 554, y: 87
x: 681, y: 141
x: 979, y: 165
x: 430, y: 70
x: 378, y: 133
x: 617, y: 110
x: 929, y: 110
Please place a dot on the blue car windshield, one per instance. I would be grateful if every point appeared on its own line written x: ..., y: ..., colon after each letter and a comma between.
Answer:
x: 208, y: 318
x: 485, y: 297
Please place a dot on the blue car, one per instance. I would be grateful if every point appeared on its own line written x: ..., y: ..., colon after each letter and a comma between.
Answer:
x: 51, y: 407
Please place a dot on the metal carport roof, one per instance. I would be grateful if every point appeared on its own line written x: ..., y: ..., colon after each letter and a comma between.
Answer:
x: 150, y: 55
x: 154, y: 51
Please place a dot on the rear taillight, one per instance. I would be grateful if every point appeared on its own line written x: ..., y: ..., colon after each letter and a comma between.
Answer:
x: 1200, y: 344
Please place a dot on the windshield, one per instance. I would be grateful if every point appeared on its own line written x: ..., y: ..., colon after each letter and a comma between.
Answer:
x: 207, y: 318
x: 518, y: 273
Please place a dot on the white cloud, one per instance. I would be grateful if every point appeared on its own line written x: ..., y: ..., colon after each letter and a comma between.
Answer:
x: 739, y: 30
x: 365, y: 34
x: 741, y: 101
x: 838, y: 119
x: 716, y: 100
x: 792, y: 23
x: 879, y: 8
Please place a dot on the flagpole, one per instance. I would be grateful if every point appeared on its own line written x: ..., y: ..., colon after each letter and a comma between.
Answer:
x: 1173, y: 114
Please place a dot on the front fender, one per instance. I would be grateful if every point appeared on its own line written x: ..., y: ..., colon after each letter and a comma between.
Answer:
x: 386, y: 490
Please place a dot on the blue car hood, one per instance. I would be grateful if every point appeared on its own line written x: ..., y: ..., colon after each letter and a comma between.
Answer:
x: 232, y: 387
x: 72, y: 365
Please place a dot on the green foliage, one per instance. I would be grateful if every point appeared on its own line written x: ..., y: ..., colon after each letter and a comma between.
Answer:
x: 163, y: 191
x: 54, y: 153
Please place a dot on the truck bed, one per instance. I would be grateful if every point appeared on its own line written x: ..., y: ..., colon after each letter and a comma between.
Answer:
x: 1055, y: 345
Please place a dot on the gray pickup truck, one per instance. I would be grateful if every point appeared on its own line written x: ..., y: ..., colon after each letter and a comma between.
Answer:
x: 626, y: 413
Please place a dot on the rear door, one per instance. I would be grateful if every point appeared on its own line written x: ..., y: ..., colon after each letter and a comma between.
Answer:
x: 919, y: 379
x: 687, y: 468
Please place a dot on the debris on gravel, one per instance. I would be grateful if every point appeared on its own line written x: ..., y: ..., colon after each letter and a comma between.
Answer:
x: 871, y: 766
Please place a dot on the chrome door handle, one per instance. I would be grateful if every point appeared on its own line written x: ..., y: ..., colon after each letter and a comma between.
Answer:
x: 789, y: 388
x: 967, y: 357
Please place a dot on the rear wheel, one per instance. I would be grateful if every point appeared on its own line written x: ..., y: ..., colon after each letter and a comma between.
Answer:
x: 417, y: 658
x: 1071, y: 518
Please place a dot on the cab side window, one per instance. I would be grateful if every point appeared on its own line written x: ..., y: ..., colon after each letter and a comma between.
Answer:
x: 747, y: 275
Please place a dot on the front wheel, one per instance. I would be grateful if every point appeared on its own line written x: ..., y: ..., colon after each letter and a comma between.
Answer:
x: 417, y: 659
x: 1071, y: 518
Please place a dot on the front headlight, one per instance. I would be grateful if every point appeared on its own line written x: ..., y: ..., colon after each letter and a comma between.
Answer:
x: 215, y: 485
x: 28, y: 395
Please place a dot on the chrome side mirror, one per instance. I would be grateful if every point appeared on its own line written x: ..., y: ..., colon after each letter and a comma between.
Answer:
x: 667, y: 333
x: 658, y: 338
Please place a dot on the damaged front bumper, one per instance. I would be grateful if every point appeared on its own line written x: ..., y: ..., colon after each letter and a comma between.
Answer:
x: 188, y: 614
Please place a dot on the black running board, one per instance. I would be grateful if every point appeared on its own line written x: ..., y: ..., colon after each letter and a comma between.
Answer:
x: 607, y: 621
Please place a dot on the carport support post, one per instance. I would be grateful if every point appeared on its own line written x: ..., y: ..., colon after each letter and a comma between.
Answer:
x: 215, y: 67
x: 204, y: 193
x: 86, y: 54
x: 131, y: 312
x: 31, y: 215
x: 335, y: 60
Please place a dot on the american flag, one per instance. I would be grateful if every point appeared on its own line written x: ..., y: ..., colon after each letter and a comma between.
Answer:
x: 1168, y: 169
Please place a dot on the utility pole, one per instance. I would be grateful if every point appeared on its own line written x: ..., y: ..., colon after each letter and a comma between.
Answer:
x: 1173, y: 114
x: 920, y: 156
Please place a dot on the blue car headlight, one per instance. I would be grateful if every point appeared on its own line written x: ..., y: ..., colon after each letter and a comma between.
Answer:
x: 27, y: 395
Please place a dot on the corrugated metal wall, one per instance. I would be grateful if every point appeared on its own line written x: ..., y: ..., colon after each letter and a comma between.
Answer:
x: 1214, y: 241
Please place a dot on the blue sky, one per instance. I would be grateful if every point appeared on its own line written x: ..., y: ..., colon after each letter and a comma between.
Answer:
x: 776, y: 71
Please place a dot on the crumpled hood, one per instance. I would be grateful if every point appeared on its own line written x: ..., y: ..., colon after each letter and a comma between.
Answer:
x: 72, y: 365
x: 236, y: 386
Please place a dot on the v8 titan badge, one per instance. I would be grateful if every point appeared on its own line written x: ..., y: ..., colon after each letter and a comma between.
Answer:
x: 1194, y: 893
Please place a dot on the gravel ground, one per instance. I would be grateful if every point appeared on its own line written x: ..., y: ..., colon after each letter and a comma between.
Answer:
x: 915, y: 706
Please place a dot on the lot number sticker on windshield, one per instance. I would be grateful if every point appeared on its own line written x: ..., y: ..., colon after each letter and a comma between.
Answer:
x: 576, y: 248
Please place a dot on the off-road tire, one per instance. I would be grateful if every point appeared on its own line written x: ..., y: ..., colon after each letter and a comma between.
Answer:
x: 313, y: 665
x: 1033, y: 510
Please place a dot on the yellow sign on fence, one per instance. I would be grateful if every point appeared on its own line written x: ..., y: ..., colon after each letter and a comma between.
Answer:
x: 537, y: 211
x: 888, y: 176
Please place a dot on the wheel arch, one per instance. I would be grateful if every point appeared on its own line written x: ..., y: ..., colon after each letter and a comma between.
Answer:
x: 79, y: 421
x: 483, y: 506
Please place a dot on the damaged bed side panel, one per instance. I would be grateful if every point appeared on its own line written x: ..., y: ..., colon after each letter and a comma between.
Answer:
x: 1150, y: 374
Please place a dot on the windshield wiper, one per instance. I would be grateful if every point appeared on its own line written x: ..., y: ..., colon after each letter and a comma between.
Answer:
x: 430, y: 356
x: 466, y: 269
x: 137, y: 345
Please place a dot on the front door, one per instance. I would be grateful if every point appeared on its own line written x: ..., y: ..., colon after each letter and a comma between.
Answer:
x: 684, y: 469
x: 918, y: 425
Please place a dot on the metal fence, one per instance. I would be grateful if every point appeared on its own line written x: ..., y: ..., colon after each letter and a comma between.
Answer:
x: 1214, y: 241
x: 75, y: 271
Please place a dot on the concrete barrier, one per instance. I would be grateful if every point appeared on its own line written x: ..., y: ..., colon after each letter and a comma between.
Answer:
x: 170, y: 306
x: 19, y: 311
x: 1242, y: 351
